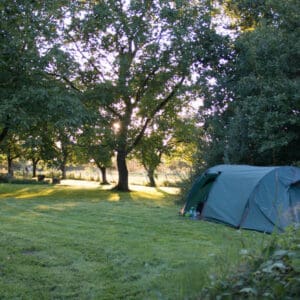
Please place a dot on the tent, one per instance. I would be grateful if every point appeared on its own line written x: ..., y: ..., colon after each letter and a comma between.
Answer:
x: 258, y: 198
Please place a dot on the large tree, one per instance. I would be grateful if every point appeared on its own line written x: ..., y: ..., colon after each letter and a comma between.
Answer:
x: 267, y: 82
x: 255, y: 117
x: 29, y: 51
x: 138, y: 57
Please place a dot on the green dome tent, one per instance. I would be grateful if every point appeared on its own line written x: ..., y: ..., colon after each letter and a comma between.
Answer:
x: 258, y: 198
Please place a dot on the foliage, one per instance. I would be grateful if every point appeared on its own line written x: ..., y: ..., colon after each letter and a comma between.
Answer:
x: 9, y: 179
x: 171, y: 137
x: 149, y: 152
x: 95, y: 139
x: 35, y: 96
x: 251, y: 114
x: 139, y: 61
x: 272, y: 274
x: 267, y: 87
x: 246, y: 15
x: 28, y: 29
x: 11, y: 147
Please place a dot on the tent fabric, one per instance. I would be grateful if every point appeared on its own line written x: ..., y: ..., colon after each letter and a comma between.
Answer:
x: 258, y: 198
x: 199, y: 192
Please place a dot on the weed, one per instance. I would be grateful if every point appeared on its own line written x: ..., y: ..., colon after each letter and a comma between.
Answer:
x: 273, y: 273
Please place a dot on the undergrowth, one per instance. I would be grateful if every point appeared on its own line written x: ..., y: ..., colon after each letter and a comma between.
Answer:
x: 273, y: 273
x: 13, y: 180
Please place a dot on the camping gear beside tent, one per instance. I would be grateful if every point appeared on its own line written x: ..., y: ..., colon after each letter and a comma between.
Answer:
x: 258, y: 198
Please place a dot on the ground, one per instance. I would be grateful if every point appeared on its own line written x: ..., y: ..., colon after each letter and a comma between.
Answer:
x: 87, y: 242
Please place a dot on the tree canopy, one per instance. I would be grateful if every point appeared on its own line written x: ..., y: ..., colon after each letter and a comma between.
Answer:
x: 253, y: 114
x: 138, y: 58
x: 88, y: 79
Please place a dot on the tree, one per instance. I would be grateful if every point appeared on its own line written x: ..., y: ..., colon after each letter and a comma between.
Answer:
x: 138, y: 58
x: 95, y: 144
x: 169, y: 137
x: 12, y: 149
x: 186, y: 136
x: 267, y: 84
x: 34, y: 90
x: 33, y: 151
x: 149, y: 152
x: 26, y: 31
x: 61, y: 149
x: 260, y: 122
x: 216, y: 111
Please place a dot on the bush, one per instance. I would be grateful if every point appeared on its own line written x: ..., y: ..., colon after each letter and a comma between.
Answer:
x: 26, y: 181
x: 274, y: 274
x: 55, y: 180
x: 12, y: 180
x: 41, y: 178
x: 5, y: 178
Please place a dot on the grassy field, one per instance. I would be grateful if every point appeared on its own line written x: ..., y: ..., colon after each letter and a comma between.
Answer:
x: 70, y: 242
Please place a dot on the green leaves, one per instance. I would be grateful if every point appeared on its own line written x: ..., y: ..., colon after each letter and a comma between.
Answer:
x: 274, y: 274
x: 29, y: 51
x: 252, y: 109
x: 139, y: 60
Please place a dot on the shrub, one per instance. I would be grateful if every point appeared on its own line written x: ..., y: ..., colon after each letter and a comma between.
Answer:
x: 26, y: 181
x: 12, y: 180
x: 55, y: 180
x: 274, y: 274
x: 5, y: 178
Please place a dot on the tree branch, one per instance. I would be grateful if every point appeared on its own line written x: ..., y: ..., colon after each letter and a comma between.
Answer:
x: 142, y: 88
x: 4, y: 133
x: 140, y: 135
x: 159, y: 107
x: 114, y: 112
x: 163, y: 103
x: 70, y: 83
x: 85, y: 57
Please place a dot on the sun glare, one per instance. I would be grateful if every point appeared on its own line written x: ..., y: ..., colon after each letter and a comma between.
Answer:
x: 116, y: 127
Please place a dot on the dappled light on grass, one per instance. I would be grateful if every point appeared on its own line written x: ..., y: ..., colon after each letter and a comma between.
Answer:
x: 92, y: 193
x: 28, y: 193
x: 157, y: 190
x: 59, y: 206
x: 79, y: 183
x: 99, y: 244
x: 154, y: 195
x: 113, y: 197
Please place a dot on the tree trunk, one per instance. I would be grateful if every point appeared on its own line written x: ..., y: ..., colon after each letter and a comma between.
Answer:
x: 63, y: 170
x: 33, y: 169
x: 63, y: 163
x: 103, y: 174
x: 3, y: 133
x: 150, y: 173
x: 34, y: 165
x: 10, y: 169
x: 122, y: 171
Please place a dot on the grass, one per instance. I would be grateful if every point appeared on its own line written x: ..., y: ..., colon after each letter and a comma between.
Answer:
x: 68, y: 242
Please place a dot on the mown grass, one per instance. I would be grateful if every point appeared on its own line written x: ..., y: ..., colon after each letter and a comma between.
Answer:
x: 59, y: 242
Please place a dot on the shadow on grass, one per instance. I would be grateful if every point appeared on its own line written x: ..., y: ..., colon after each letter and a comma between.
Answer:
x: 63, y: 193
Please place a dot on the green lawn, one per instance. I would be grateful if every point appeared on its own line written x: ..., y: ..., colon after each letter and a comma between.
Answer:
x: 62, y: 242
